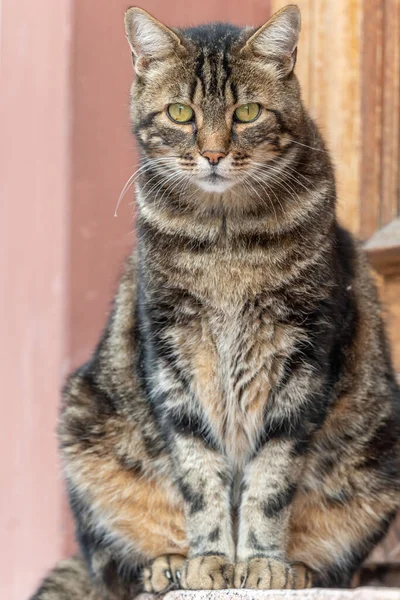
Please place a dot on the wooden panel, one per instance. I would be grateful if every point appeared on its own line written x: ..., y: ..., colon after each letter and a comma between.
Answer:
x: 380, y: 115
x: 391, y: 113
x: 383, y: 249
x: 329, y: 61
x: 371, y: 116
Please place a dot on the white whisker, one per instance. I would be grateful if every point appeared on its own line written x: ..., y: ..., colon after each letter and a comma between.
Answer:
x: 310, y: 147
x: 276, y: 181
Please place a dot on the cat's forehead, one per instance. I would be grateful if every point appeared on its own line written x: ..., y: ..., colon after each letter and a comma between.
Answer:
x: 215, y: 45
x: 214, y: 69
x: 214, y: 38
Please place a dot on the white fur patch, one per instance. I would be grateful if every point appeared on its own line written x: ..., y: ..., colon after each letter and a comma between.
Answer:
x: 215, y: 187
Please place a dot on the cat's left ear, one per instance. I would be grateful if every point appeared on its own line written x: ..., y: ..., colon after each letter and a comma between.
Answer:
x: 149, y: 39
x: 277, y: 39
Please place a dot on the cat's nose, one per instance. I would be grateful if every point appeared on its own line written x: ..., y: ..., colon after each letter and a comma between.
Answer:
x: 213, y: 156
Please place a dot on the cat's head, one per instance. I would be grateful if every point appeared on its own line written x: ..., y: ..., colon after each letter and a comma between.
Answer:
x: 214, y: 103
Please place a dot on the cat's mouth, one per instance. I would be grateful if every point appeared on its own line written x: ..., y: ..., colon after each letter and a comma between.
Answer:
x: 214, y: 182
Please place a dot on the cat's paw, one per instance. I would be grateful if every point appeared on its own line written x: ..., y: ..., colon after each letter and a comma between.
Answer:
x: 163, y: 573
x: 271, y: 574
x: 208, y: 573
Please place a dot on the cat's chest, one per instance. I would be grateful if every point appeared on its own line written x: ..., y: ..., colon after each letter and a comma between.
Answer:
x: 235, y: 362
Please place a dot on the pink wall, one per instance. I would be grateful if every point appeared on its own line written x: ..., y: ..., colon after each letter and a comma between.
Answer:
x: 34, y: 182
x: 65, y: 154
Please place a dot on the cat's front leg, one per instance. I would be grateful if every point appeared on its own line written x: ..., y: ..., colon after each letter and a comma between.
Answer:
x: 204, y: 481
x: 269, y: 486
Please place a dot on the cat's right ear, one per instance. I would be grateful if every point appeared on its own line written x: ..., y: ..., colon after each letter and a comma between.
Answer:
x: 149, y: 39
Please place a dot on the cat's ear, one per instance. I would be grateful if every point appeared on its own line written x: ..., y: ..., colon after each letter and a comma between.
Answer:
x: 148, y: 38
x: 277, y: 39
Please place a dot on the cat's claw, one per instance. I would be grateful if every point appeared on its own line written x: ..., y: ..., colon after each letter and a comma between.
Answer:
x: 163, y: 573
x: 271, y: 574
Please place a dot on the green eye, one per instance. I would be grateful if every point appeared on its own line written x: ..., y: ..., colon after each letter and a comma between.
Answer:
x: 181, y: 113
x: 248, y: 112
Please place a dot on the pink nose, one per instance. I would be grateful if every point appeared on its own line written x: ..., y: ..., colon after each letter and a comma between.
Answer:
x: 213, y: 156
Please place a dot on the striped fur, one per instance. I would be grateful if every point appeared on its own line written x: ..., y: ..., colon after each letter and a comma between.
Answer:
x: 238, y: 423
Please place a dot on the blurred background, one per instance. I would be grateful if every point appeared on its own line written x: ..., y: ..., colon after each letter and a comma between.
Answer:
x: 65, y: 154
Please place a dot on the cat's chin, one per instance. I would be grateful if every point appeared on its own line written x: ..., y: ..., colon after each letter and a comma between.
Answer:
x: 215, y: 185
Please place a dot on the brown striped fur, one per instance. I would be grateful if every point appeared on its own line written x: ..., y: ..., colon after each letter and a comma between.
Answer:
x: 238, y: 423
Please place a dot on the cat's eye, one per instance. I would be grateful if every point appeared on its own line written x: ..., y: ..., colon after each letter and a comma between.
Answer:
x: 180, y: 113
x: 248, y: 112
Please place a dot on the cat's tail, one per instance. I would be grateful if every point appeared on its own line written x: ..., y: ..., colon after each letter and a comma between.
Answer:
x: 69, y: 580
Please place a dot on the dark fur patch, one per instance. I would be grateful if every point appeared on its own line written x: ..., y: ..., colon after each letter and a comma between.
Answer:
x: 192, y: 497
x: 275, y: 504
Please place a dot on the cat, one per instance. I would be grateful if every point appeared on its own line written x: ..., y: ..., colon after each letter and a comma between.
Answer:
x: 238, y: 424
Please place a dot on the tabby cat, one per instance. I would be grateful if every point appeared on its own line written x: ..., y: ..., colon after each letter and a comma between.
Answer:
x: 238, y: 424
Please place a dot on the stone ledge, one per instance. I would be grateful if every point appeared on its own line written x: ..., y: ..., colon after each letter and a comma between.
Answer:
x: 362, y: 593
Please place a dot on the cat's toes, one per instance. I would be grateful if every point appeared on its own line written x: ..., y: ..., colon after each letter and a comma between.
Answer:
x: 271, y: 574
x: 208, y: 573
x: 303, y: 576
x: 163, y: 573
